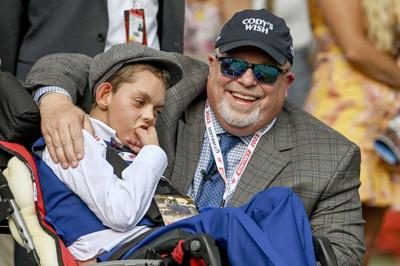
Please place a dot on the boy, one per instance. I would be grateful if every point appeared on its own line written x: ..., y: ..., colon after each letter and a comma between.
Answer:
x: 129, y: 94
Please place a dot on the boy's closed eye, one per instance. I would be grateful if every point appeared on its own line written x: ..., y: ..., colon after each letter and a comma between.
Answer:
x: 139, y: 101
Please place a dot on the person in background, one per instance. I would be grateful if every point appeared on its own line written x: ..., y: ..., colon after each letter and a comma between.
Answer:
x: 273, y: 142
x: 295, y: 12
x: 32, y: 29
x: 203, y: 22
x: 356, y: 87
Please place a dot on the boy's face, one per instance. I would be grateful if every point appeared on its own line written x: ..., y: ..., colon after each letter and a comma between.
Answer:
x: 134, y: 105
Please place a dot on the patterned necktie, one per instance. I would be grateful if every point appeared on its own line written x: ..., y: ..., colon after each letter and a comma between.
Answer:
x: 212, y: 187
x: 112, y: 156
x: 113, y: 143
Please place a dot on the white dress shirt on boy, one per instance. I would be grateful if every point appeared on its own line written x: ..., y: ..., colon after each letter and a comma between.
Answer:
x: 119, y: 203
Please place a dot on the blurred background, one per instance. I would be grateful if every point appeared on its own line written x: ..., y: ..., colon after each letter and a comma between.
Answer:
x: 346, y: 75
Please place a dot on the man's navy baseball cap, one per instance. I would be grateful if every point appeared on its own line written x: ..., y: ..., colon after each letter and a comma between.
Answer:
x: 258, y: 28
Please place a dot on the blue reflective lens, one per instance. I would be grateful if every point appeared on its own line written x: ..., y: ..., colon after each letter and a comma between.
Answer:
x: 235, y: 67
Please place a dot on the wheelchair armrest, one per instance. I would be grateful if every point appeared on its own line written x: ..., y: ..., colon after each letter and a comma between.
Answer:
x: 323, y: 251
x: 9, y: 208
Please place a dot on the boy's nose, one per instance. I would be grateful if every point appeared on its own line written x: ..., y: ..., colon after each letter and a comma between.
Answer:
x: 148, y: 116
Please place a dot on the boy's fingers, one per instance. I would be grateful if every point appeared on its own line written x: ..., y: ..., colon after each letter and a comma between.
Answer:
x: 147, y: 136
x: 141, y: 133
x: 140, y: 130
x: 152, y: 130
x: 136, y: 149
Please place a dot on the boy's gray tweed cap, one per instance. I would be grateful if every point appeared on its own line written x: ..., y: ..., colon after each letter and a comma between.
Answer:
x: 104, y: 65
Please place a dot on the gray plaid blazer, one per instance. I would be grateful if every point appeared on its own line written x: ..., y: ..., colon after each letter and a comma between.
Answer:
x: 299, y: 152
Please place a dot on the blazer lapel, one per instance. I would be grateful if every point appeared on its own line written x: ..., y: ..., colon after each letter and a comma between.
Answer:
x: 188, y: 150
x: 271, y: 155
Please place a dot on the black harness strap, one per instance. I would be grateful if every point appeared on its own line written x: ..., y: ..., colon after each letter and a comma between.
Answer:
x: 116, y: 161
x: 163, y: 187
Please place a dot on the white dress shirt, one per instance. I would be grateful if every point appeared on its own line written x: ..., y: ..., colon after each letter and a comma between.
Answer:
x: 295, y: 14
x: 118, y: 203
x: 116, y: 23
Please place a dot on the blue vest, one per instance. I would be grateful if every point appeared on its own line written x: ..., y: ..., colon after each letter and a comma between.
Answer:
x: 65, y: 211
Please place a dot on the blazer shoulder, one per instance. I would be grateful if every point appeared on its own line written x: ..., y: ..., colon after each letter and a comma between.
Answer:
x: 305, y: 126
x: 191, y: 65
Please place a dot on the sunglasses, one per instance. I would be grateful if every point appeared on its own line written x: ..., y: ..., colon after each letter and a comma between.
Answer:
x: 235, y: 67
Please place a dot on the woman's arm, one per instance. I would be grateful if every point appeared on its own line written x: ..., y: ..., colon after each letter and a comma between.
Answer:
x: 345, y: 20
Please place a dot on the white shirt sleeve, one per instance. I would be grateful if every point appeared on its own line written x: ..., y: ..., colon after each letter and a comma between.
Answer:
x: 119, y: 203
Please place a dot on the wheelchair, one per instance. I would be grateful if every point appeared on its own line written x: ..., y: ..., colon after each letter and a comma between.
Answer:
x: 19, y: 197
x: 30, y: 230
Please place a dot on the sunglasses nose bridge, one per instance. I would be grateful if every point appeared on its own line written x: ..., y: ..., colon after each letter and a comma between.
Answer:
x: 253, y: 74
x: 248, y: 77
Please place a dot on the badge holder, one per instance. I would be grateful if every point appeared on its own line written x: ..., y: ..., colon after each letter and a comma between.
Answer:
x: 135, y: 26
x: 175, y: 207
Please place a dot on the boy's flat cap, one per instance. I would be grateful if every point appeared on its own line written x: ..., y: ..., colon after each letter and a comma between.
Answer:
x: 104, y: 65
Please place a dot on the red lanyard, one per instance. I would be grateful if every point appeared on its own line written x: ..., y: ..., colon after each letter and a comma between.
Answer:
x: 230, y: 185
x: 135, y: 26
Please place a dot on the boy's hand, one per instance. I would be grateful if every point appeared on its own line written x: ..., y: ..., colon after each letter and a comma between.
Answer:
x: 147, y: 136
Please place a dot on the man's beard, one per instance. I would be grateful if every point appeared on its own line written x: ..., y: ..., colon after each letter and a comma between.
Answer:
x: 236, y: 118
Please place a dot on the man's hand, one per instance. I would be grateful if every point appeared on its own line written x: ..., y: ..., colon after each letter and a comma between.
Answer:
x: 61, y: 125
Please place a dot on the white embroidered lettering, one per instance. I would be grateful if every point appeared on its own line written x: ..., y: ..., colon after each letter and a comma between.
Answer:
x: 250, y: 27
x: 257, y: 24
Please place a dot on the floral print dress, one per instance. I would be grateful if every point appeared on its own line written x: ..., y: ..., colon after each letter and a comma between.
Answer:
x: 355, y: 105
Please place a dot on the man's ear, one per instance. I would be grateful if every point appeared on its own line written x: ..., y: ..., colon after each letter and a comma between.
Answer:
x: 103, y: 95
x: 211, y: 61
x: 290, y: 77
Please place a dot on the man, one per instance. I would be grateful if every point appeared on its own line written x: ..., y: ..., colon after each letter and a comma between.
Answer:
x: 32, y: 29
x: 279, y: 144
x: 129, y: 83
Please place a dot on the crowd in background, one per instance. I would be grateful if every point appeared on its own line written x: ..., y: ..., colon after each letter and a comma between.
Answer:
x: 347, y: 75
